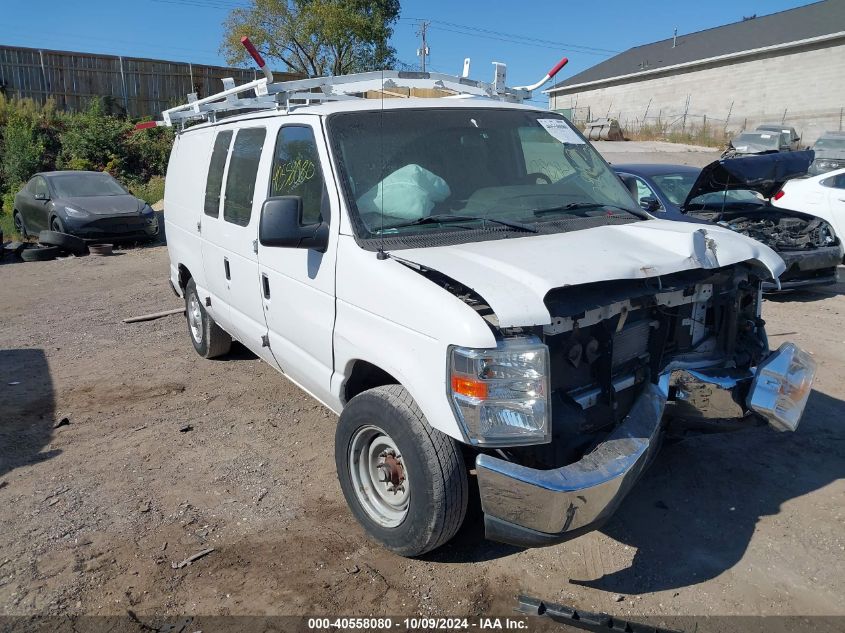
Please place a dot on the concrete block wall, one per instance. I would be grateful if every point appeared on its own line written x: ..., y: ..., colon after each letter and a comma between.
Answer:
x: 808, y: 84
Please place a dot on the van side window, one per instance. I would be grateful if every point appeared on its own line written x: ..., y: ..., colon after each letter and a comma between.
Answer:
x: 296, y: 171
x: 214, y: 182
x: 240, y: 181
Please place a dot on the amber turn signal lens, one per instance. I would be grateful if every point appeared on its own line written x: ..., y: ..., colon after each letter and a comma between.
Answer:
x: 469, y: 387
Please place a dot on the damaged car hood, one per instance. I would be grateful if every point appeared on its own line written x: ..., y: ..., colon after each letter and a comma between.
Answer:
x: 513, y: 276
x: 764, y: 173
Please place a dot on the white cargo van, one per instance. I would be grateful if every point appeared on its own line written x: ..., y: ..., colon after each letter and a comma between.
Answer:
x: 468, y: 285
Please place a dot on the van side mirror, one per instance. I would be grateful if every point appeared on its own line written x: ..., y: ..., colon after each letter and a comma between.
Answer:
x: 281, y: 225
x: 650, y: 203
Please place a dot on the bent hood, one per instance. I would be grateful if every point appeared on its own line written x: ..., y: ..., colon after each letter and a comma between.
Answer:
x: 764, y: 174
x: 514, y: 275
x: 105, y: 205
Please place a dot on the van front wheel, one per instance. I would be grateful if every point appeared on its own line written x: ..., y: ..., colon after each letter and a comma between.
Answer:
x: 405, y: 482
x: 209, y: 339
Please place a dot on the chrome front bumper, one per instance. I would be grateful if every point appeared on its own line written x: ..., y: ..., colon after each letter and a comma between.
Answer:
x: 529, y: 507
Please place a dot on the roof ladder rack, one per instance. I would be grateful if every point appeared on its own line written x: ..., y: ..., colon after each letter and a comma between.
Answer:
x: 287, y: 95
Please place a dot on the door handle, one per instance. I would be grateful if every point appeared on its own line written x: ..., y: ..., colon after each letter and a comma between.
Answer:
x: 226, y: 268
x: 265, y: 285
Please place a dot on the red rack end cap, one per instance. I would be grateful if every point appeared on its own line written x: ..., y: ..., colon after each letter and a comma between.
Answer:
x: 248, y: 45
x: 554, y: 71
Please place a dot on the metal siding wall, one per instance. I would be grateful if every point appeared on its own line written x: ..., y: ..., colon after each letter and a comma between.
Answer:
x: 806, y: 86
x: 73, y: 79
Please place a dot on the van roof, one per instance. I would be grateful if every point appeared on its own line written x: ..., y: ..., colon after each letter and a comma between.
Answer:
x: 363, y: 105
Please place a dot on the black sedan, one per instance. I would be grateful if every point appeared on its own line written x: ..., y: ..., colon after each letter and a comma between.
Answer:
x: 735, y: 193
x: 89, y: 204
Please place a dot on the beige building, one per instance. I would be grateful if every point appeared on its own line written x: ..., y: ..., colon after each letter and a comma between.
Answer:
x: 787, y: 67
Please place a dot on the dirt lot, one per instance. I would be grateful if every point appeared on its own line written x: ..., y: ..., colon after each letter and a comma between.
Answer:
x: 167, y: 454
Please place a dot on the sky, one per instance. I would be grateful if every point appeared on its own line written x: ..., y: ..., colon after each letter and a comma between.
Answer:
x: 529, y: 36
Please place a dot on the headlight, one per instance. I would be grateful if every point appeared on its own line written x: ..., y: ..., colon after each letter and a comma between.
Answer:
x: 501, y: 395
x: 783, y: 383
x: 76, y: 213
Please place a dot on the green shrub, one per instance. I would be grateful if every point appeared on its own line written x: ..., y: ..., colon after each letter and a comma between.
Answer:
x: 9, y: 198
x: 96, y: 139
x: 22, y: 148
x: 36, y: 137
x: 151, y: 191
x: 147, y: 152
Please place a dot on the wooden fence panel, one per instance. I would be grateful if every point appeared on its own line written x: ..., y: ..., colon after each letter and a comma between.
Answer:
x: 142, y: 87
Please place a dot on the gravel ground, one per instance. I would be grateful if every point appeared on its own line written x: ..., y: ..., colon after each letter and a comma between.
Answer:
x: 165, y: 455
x: 656, y: 152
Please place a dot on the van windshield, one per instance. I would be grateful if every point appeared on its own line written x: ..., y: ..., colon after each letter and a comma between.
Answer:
x: 425, y: 172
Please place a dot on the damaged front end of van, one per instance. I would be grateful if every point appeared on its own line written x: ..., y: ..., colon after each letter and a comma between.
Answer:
x: 570, y: 408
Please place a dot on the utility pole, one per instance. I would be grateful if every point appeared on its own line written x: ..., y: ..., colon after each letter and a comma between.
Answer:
x: 422, y: 51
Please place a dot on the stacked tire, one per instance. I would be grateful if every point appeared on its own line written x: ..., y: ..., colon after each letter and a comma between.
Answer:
x: 52, y: 244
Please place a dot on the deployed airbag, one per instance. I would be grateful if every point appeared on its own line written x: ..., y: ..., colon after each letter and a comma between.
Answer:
x: 408, y: 193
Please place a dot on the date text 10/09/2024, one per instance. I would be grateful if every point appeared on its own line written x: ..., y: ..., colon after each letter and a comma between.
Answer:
x: 420, y: 624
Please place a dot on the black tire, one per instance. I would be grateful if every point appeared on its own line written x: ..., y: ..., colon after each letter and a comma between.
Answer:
x: 64, y: 241
x: 210, y: 340
x: 433, y: 462
x: 20, y: 227
x: 40, y: 253
x: 56, y: 225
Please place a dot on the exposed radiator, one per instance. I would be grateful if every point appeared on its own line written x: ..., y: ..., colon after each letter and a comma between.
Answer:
x: 631, y: 342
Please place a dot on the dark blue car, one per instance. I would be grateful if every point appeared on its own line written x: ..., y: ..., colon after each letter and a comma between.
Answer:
x: 89, y: 204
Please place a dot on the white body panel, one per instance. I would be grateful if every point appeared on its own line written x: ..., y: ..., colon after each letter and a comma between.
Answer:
x: 327, y: 311
x: 515, y: 275
x: 809, y: 195
x: 300, y: 311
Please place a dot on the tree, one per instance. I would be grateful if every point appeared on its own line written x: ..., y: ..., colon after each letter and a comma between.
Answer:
x: 315, y: 37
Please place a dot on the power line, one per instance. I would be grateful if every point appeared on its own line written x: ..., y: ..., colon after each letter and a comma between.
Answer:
x: 206, y: 4
x: 464, y: 29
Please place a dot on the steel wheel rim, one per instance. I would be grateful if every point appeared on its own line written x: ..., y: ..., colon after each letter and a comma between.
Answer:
x: 384, y: 502
x: 195, y: 318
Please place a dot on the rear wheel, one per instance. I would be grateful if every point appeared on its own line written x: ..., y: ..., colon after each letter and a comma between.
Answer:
x: 209, y: 339
x: 405, y: 482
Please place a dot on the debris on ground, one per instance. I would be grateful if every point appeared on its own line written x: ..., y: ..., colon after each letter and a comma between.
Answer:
x: 192, y: 558
x: 154, y: 315
x: 62, y: 422
x: 185, y: 428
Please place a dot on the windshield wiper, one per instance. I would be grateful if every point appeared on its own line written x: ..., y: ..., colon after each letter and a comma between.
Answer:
x: 572, y: 206
x: 449, y: 218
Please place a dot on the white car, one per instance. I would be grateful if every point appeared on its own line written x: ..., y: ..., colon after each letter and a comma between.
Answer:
x: 822, y: 196
x: 467, y: 284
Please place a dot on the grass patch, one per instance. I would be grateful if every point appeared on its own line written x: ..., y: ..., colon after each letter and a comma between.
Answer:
x: 7, y: 225
x: 693, y: 135
x: 151, y: 192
